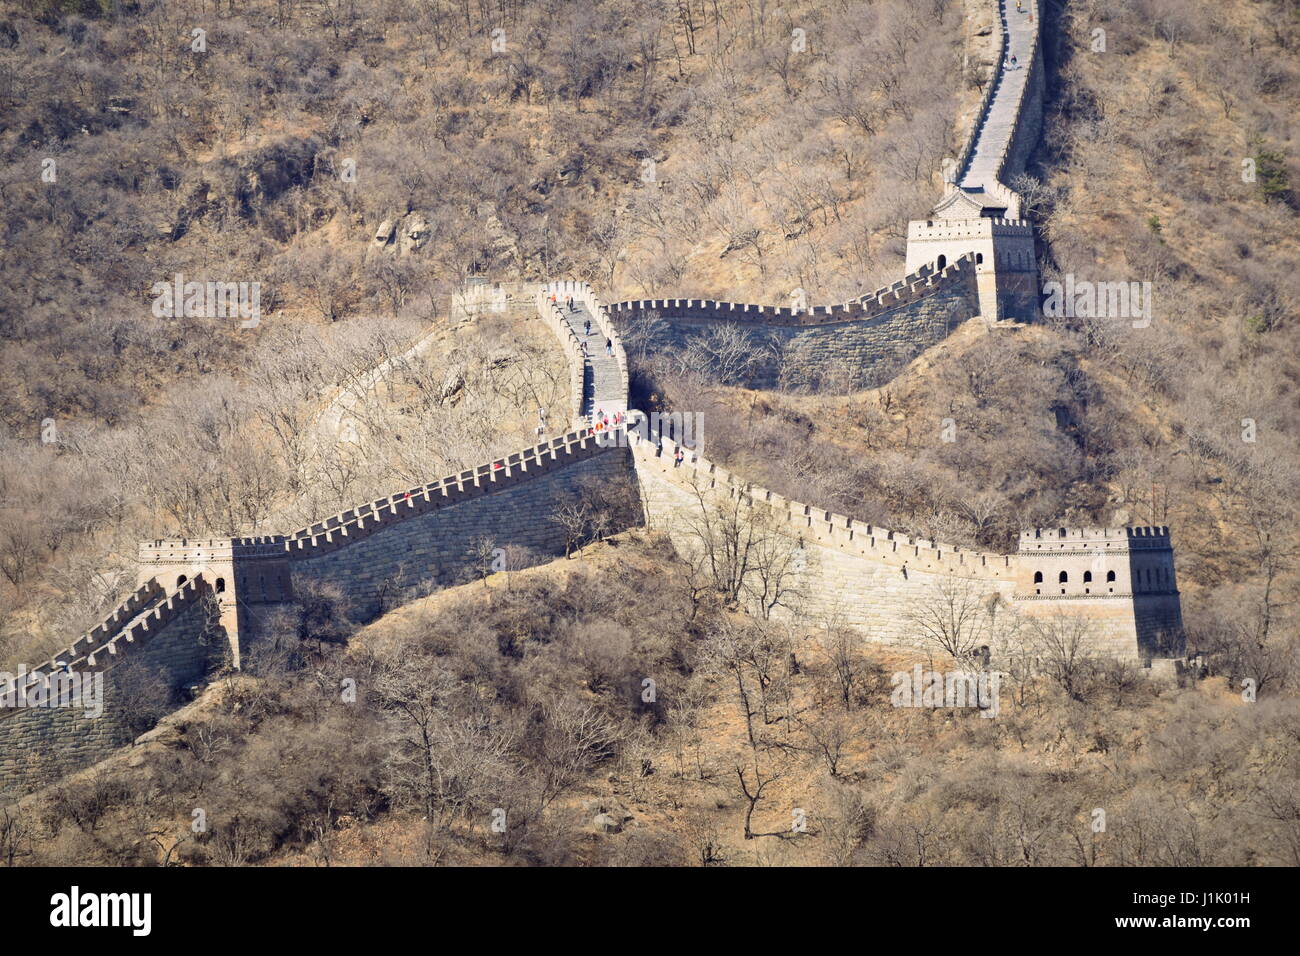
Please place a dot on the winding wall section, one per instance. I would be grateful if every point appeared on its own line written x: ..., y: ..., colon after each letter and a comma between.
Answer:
x: 197, y: 596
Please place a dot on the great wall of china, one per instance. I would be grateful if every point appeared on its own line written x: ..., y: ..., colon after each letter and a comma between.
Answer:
x: 200, y: 601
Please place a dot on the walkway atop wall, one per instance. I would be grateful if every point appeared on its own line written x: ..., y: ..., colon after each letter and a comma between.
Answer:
x: 602, y: 388
x: 600, y: 375
x: 993, y: 137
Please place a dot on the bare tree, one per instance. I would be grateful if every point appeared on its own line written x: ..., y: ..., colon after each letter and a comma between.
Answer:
x: 828, y: 735
x: 1066, y: 652
x: 752, y: 788
x: 723, y: 352
x: 956, y: 617
x: 15, y: 832
x: 742, y: 547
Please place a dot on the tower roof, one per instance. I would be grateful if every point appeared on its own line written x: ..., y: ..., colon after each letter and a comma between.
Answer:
x: 962, y: 203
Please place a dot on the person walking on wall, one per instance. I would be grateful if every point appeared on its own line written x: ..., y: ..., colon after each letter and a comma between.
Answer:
x: 586, y: 327
x: 678, y: 459
x: 609, y: 346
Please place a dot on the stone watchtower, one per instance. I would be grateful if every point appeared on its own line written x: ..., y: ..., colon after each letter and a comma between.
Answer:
x: 1006, y: 272
x: 1121, y: 580
x: 241, y: 572
x: 979, y: 212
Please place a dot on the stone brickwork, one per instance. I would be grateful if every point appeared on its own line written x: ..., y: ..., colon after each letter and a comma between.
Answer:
x: 875, y: 333
x: 480, y: 297
x: 866, y: 576
x: 1003, y: 250
x: 419, y: 537
x: 437, y: 547
x: 980, y: 213
x: 1121, y: 580
x: 197, y: 596
x: 178, y: 641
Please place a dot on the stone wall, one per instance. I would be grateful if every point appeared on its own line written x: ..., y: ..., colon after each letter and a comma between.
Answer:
x: 437, y: 548
x: 611, y: 394
x: 38, y: 744
x: 874, y: 579
x: 1029, y: 122
x: 873, y: 335
x: 979, y: 211
x: 866, y: 576
x: 479, y: 297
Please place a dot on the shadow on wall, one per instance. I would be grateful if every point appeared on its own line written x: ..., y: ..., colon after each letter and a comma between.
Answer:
x: 763, y: 347
x: 71, y: 717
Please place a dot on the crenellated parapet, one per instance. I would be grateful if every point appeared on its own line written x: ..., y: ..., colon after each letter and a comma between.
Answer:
x: 259, y: 569
x: 918, y: 285
x: 1120, y: 580
x: 138, y: 620
x: 809, y: 523
x: 74, y: 709
x: 349, y: 526
x: 873, y: 334
x: 1049, y: 539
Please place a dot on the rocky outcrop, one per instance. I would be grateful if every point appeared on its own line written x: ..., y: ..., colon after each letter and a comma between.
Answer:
x: 403, y: 235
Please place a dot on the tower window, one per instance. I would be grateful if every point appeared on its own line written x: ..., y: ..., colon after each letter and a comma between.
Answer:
x: 1110, y: 576
x: 221, y: 585
x: 1064, y: 578
x: 1087, y: 577
x: 979, y: 258
x: 943, y: 261
x: 1038, y: 577
x: 181, y: 580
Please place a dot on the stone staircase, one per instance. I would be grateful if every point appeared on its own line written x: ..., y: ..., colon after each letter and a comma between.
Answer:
x: 600, y: 382
x: 601, y: 378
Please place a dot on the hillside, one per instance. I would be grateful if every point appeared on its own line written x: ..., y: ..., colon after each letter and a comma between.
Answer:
x: 361, y: 163
x: 526, y: 693
x: 1191, y: 420
x: 149, y: 415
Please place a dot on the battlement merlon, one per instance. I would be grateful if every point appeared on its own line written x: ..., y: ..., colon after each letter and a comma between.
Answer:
x: 187, y: 550
x: 1143, y: 537
x: 210, y: 550
x: 981, y: 227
